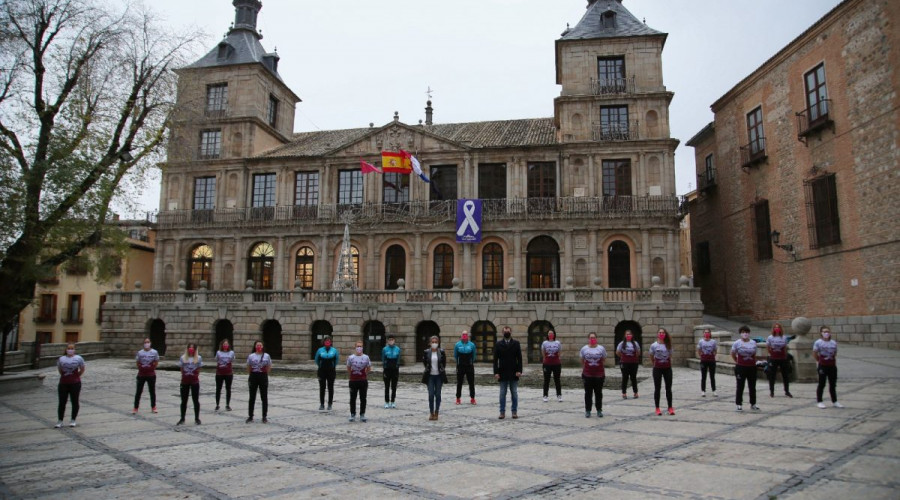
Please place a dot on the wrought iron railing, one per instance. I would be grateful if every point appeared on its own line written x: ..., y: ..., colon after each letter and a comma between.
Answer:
x: 72, y: 316
x: 706, y: 180
x: 605, y: 86
x: 754, y: 152
x: 616, y: 131
x: 813, y: 119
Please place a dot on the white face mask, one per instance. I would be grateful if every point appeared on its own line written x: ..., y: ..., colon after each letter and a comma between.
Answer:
x: 826, y: 335
x: 146, y: 345
x: 359, y: 350
x: 745, y: 336
x: 434, y: 346
x: 70, y: 352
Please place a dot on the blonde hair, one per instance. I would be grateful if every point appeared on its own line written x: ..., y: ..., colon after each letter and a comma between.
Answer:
x: 185, y: 357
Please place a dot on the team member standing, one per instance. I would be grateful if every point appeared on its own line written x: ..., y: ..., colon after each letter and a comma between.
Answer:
x: 661, y: 355
x: 146, y: 360
x: 593, y: 374
x: 224, y: 373
x: 71, y: 367
x: 434, y: 359
x: 743, y: 352
x: 464, y: 353
x: 258, y: 365
x: 825, y: 354
x: 776, y: 345
x: 508, y: 369
x: 327, y: 359
x: 629, y: 352
x: 190, y: 363
x: 358, y: 367
x: 707, y: 349
x: 390, y: 364
x: 551, y: 364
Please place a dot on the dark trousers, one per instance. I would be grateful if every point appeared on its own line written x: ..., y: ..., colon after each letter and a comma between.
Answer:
x: 784, y: 366
x: 70, y: 391
x: 745, y: 374
x: 658, y: 375
x: 593, y: 392
x: 258, y: 381
x: 194, y: 390
x: 391, y: 376
x: 435, y: 382
x: 825, y: 373
x: 554, y: 371
x: 326, y: 379
x: 629, y: 371
x: 227, y: 380
x: 708, y: 367
x: 151, y: 388
x: 468, y: 373
x: 360, y: 387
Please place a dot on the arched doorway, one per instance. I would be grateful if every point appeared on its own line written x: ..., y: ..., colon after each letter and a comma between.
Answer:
x: 537, y: 332
x: 424, y: 331
x: 199, y: 267
x: 484, y: 335
x: 317, y: 333
x: 635, y: 328
x: 261, y: 267
x: 373, y: 339
x: 619, y: 263
x: 271, y: 332
x: 394, y: 267
x: 224, y: 330
x: 157, y: 335
x: 543, y: 263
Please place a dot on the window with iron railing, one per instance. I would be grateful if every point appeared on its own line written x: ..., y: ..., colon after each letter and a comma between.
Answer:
x: 611, y: 76
x: 816, y: 114
x: 822, y: 211
x: 755, y: 150
x: 706, y: 180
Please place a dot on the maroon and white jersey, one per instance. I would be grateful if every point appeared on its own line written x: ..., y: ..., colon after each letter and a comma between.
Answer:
x: 827, y: 350
x: 145, y: 359
x: 190, y: 370
x: 707, y: 349
x: 629, y: 352
x: 259, y: 363
x: 70, y: 366
x: 745, y: 351
x: 592, y: 361
x: 661, y: 355
x: 550, y: 349
x: 224, y: 361
x: 778, y: 346
x: 358, y: 364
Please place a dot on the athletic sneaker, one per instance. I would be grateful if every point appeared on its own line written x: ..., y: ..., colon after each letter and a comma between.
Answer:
x: 559, y: 398
x: 154, y: 409
x: 754, y: 407
x: 321, y: 407
x: 599, y: 414
x: 671, y: 411
x: 473, y: 401
x: 624, y: 396
x: 702, y: 394
x: 458, y: 401
x: 72, y: 424
x: 362, y: 418
x: 838, y: 405
x: 546, y: 399
x: 134, y: 411
x: 587, y: 414
x: 739, y: 408
x: 217, y: 408
x: 821, y: 405
x: 352, y: 418
x: 715, y: 394
x: 329, y: 407
x: 387, y: 406
x: 227, y: 408
x: 58, y: 425
x: 635, y: 395
x: 658, y: 411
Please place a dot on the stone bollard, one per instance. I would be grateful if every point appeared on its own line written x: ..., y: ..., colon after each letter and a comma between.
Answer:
x: 801, y: 348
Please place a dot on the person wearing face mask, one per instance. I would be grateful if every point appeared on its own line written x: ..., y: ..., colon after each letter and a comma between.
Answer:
x: 825, y: 354
x: 435, y: 375
x: 661, y: 355
x: 258, y: 365
x: 629, y: 352
x: 593, y: 374
x: 190, y: 363
x: 70, y: 367
x: 390, y: 364
x: 358, y: 367
x: 743, y: 352
x: 707, y: 349
x: 776, y: 345
x: 464, y: 354
x: 224, y: 373
x: 551, y: 364
x: 146, y: 360
x: 508, y: 369
x: 327, y: 359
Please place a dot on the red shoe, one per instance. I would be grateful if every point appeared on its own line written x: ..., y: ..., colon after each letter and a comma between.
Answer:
x: 457, y: 401
x: 473, y: 401
x: 671, y: 411
x: 658, y: 411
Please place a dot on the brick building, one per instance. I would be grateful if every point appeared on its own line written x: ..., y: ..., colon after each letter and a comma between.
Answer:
x: 798, y: 194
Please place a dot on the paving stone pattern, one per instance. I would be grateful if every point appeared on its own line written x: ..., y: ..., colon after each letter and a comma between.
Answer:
x: 789, y: 449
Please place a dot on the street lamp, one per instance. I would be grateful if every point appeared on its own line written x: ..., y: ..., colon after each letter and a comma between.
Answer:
x: 776, y: 238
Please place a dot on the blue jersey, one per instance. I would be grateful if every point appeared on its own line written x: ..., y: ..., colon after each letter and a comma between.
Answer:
x: 390, y: 356
x: 464, y: 353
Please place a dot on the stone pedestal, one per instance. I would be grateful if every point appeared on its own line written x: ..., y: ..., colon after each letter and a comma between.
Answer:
x: 801, y: 348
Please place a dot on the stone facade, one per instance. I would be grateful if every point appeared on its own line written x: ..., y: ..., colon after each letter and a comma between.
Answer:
x: 828, y: 171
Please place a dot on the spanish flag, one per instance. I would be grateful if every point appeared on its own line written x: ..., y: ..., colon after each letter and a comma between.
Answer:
x: 395, y: 162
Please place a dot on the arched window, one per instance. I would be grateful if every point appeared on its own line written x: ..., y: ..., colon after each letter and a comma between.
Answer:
x: 619, y: 263
x: 317, y: 333
x: 543, y: 263
x: 271, y: 333
x: 537, y: 333
x: 484, y: 336
x: 492, y: 266
x: 261, y: 266
x: 199, y: 266
x: 303, y: 268
x: 443, y: 266
x: 394, y: 266
x: 373, y: 339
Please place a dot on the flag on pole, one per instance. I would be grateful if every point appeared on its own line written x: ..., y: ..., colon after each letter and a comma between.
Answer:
x: 368, y: 168
x: 395, y: 162
x: 416, y: 166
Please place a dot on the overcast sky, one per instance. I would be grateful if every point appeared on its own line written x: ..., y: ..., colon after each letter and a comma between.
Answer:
x: 355, y: 62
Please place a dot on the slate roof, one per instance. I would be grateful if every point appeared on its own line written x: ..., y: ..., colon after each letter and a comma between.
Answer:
x: 591, y: 25
x: 491, y: 134
x: 246, y: 50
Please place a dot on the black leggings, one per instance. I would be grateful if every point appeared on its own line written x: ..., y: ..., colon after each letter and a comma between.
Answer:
x: 708, y: 366
x: 71, y: 391
x: 358, y: 387
x: 629, y: 371
x: 227, y: 379
x: 593, y: 390
x: 326, y: 379
x: 658, y: 375
x: 553, y: 370
x: 779, y: 364
x: 391, y: 376
x: 194, y: 389
x: 467, y: 373
x: 259, y: 381
x: 745, y: 374
x: 825, y: 373
x: 151, y: 388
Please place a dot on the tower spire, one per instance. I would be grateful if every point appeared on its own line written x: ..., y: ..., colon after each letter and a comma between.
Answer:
x: 245, y: 14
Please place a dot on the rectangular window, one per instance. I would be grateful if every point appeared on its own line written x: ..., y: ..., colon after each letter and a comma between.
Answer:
x: 78, y: 266
x: 395, y: 187
x: 210, y: 144
x: 47, y: 311
x: 71, y: 337
x: 443, y: 182
x: 44, y: 337
x: 763, y: 230
x: 492, y: 181
x: 73, y: 313
x: 204, y: 193
x: 616, y: 178
x: 263, y: 190
x: 350, y: 187
x: 822, y: 211
x: 755, y: 133
x: 216, y: 99
x: 816, y: 94
x: 272, y: 115
x: 709, y: 169
x: 306, y: 194
x: 614, y: 124
x: 611, y: 75
x: 542, y: 179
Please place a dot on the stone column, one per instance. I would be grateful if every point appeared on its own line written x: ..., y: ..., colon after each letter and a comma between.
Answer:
x: 567, y: 262
x: 280, y: 265
x: 372, y: 258
x: 179, y: 263
x: 218, y: 265
x: 517, y: 259
x: 418, y: 281
x: 467, y: 272
x: 158, y: 271
x: 672, y: 261
x: 240, y: 265
x: 325, y: 277
x: 592, y: 178
x: 645, y: 270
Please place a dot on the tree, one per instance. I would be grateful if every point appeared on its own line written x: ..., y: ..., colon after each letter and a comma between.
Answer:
x: 85, y: 97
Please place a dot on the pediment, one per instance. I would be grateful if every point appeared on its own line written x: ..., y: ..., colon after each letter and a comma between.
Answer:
x: 396, y: 136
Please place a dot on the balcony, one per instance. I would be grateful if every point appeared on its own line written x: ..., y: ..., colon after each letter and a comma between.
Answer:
x: 814, y: 119
x: 753, y: 153
x: 45, y: 317
x: 72, y: 316
x: 611, y: 86
x: 617, y: 131
x: 706, y: 181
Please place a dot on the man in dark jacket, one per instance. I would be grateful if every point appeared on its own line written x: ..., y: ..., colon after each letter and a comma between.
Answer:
x: 508, y: 369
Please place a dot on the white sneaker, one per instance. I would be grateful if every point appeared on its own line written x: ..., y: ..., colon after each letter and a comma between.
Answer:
x: 559, y: 398
x: 821, y: 405
x: 739, y: 408
x: 715, y: 394
x: 838, y: 405
x: 58, y: 425
x: 546, y: 399
x: 387, y: 405
x: 72, y: 424
x: 754, y: 407
x: 702, y: 394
